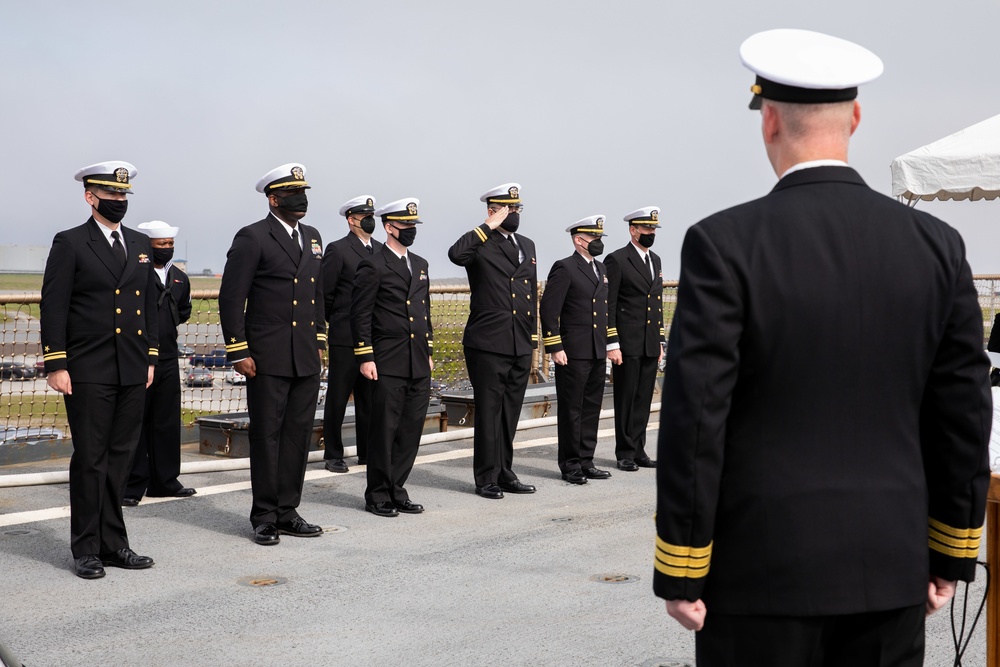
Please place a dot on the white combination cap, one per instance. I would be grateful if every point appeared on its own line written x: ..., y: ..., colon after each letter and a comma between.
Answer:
x: 401, y: 210
x: 291, y: 175
x: 157, y: 229
x: 592, y: 225
x: 114, y: 175
x: 647, y: 215
x: 508, y: 193
x: 362, y: 204
x: 805, y: 67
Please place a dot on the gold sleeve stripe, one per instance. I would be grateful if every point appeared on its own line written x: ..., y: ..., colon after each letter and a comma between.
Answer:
x: 955, y: 532
x: 361, y: 351
x: 154, y: 352
x: 677, y: 550
x: 320, y: 336
x: 684, y: 572
x: 612, y: 331
x: 52, y: 356
x: 534, y: 336
x: 236, y: 347
x: 481, y: 234
x: 955, y: 553
x: 970, y: 543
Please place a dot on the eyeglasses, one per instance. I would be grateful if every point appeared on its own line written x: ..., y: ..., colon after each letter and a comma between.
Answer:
x: 515, y: 208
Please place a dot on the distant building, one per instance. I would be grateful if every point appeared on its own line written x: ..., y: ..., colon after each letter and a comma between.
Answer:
x: 23, y: 258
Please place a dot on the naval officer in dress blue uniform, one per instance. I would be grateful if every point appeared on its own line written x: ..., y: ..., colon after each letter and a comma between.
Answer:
x: 157, y: 462
x: 500, y: 334
x: 271, y: 310
x: 817, y: 523
x: 394, y: 341
x: 575, y: 332
x: 340, y: 263
x: 635, y: 334
x: 99, y: 341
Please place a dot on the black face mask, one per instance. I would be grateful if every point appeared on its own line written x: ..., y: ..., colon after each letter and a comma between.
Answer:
x: 367, y: 224
x: 595, y: 248
x: 511, y: 222
x: 297, y: 203
x: 406, y: 236
x: 646, y: 240
x: 162, y: 255
x: 113, y: 210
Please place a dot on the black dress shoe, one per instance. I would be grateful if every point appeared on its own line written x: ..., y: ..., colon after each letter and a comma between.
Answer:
x: 596, y: 473
x: 382, y: 509
x: 491, y: 491
x: 127, y: 559
x: 409, y: 507
x: 575, y: 477
x: 517, y: 486
x: 266, y: 534
x: 89, y: 567
x: 336, y: 465
x: 299, y: 527
x: 645, y: 463
x: 129, y: 501
x: 184, y: 492
x: 628, y: 465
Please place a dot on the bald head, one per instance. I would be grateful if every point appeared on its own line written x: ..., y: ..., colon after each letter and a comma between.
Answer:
x: 795, y: 133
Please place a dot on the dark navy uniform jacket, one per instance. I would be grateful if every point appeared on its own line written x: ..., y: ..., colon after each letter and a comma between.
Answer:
x: 635, y: 303
x: 283, y: 325
x: 98, y: 320
x: 340, y: 263
x: 826, y: 411
x: 391, y: 315
x: 173, y: 301
x: 575, y: 309
x: 503, y: 312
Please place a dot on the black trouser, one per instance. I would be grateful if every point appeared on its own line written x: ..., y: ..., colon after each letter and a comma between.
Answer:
x: 893, y: 638
x: 104, y: 422
x: 579, y: 392
x: 157, y: 461
x: 633, y: 380
x: 282, y: 414
x: 400, y: 405
x: 342, y: 380
x: 498, y: 382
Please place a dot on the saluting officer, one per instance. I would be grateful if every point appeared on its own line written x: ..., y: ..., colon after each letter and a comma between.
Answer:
x: 340, y: 263
x: 273, y: 269
x: 500, y: 334
x: 391, y: 322
x: 635, y: 335
x: 157, y: 461
x: 575, y: 327
x: 99, y: 339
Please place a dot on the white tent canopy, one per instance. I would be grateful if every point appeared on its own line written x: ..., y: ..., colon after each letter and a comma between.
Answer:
x: 964, y: 165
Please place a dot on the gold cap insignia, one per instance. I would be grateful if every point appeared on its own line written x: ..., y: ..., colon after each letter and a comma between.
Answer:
x: 411, y: 208
x: 600, y: 223
x: 513, y: 193
x: 370, y: 202
x: 297, y: 173
x: 121, y: 175
x: 654, y: 215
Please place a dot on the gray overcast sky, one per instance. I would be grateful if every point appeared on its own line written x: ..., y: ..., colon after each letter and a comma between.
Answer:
x: 594, y: 107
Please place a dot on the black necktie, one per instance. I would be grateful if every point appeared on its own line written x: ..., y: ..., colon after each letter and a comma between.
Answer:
x: 298, y: 246
x: 369, y: 249
x: 649, y: 271
x: 118, y: 249
x: 406, y: 269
